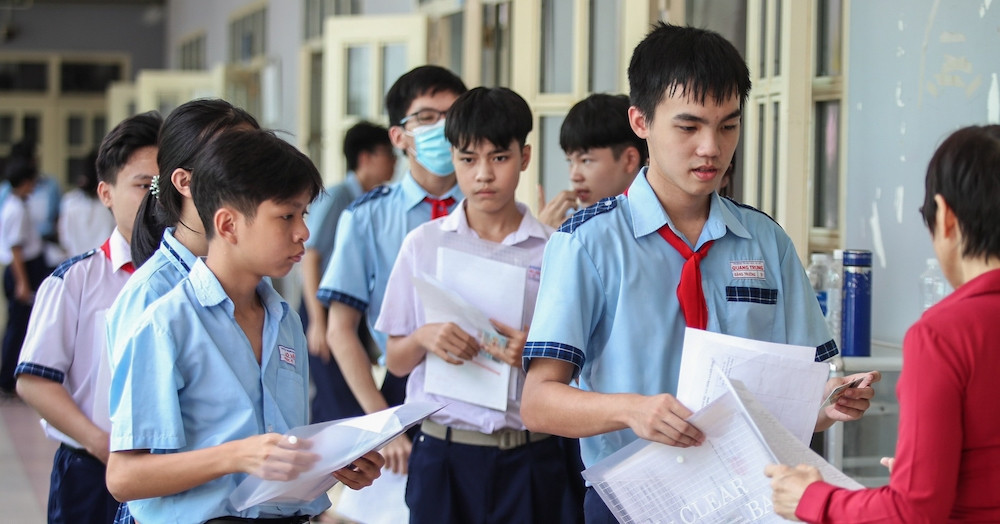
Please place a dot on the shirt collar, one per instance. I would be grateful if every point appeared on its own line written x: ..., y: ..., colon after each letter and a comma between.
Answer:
x: 457, y: 221
x: 179, y: 255
x: 121, y: 253
x: 209, y: 292
x: 413, y: 194
x: 648, y: 214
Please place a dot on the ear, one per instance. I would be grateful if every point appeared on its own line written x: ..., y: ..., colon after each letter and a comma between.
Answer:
x: 945, y: 222
x: 225, y: 222
x: 631, y: 157
x: 104, y: 193
x: 397, y: 135
x: 637, y: 119
x: 181, y: 179
x: 525, y: 156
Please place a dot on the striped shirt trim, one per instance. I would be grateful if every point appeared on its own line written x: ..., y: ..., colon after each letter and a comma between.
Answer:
x: 38, y: 370
x: 64, y: 267
x: 554, y: 350
x: 327, y: 296
x: 601, y: 206
x: 176, y: 256
x: 755, y: 295
x: 826, y: 351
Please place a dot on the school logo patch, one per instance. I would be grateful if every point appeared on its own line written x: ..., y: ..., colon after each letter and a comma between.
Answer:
x: 534, y: 273
x: 287, y: 355
x: 748, y: 269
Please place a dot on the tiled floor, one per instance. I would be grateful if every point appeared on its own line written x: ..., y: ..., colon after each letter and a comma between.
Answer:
x: 26, y: 459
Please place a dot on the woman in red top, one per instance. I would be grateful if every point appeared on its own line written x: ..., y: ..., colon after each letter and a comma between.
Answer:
x: 947, y: 465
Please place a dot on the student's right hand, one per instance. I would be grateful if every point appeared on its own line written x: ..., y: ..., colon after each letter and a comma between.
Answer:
x: 448, y: 341
x: 272, y: 456
x: 316, y: 340
x: 553, y: 213
x: 22, y: 292
x: 397, y: 454
x: 662, y: 418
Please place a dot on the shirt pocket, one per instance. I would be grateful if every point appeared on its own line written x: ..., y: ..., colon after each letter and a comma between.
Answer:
x: 751, y: 310
x: 294, y: 397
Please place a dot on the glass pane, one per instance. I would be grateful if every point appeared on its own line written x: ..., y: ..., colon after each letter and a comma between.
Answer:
x: 98, y: 127
x: 777, y: 37
x: 314, y: 18
x: 557, y: 46
x: 762, y: 65
x: 74, y: 130
x: 725, y: 17
x: 553, y: 168
x: 6, y: 129
x: 605, y: 46
x: 826, y: 188
x: 456, y: 24
x: 828, y: 33
x: 775, y: 164
x: 32, y: 125
x: 87, y: 78
x: 359, y: 88
x: 496, y: 45
x: 315, y: 115
x: 24, y: 76
x: 760, y: 154
x: 393, y: 67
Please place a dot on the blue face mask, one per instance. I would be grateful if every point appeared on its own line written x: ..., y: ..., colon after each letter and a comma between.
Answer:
x: 432, y: 149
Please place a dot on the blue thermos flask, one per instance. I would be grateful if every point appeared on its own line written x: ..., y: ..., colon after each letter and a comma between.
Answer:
x: 856, y: 322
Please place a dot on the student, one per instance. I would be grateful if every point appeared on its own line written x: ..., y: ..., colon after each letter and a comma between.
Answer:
x: 215, y: 372
x: 84, y: 221
x: 461, y: 470
x: 372, y: 229
x: 947, y: 465
x: 63, y: 373
x: 617, y: 286
x: 21, y: 251
x: 43, y: 202
x: 603, y: 152
x: 370, y: 162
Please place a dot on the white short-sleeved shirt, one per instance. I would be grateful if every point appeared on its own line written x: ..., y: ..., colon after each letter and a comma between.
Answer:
x: 188, y: 379
x: 402, y: 312
x: 65, y: 338
x: 369, y: 235
x: 84, y: 222
x: 608, y: 297
x: 17, y: 229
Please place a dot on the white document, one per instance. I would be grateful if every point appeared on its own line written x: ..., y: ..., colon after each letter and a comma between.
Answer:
x: 721, y: 481
x: 783, y: 377
x: 381, y: 503
x: 338, y: 443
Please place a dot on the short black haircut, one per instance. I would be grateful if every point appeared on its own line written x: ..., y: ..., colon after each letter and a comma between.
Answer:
x: 19, y: 171
x: 130, y: 135
x: 601, y: 120
x: 965, y: 171
x: 700, y: 62
x: 364, y: 137
x: 423, y: 80
x: 243, y: 168
x: 495, y: 114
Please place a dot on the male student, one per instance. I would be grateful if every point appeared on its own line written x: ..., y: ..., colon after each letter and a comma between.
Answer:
x: 622, y: 279
x: 63, y: 372
x: 472, y: 463
x: 603, y: 152
x: 373, y: 227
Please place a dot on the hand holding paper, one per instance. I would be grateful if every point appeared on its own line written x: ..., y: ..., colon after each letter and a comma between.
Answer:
x: 362, y: 472
x: 847, y: 403
x: 662, y: 418
x: 789, y: 484
x: 508, y: 346
x: 274, y: 457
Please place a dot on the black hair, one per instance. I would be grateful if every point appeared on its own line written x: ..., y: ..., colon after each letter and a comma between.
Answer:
x: 86, y: 178
x: 601, y: 120
x: 19, y: 170
x: 185, y: 131
x: 25, y: 148
x: 243, y: 168
x: 700, y: 62
x: 423, y: 80
x: 496, y: 114
x: 130, y: 135
x: 965, y: 171
x: 364, y: 137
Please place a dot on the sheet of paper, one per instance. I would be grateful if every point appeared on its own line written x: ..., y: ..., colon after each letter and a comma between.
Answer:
x: 783, y: 377
x: 481, y: 380
x: 338, y: 443
x: 381, y: 503
x: 495, y: 288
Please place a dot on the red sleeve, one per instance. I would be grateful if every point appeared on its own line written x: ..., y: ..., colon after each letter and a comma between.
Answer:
x: 928, y: 449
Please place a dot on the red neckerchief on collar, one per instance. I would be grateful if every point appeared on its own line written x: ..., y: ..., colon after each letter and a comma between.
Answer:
x: 106, y: 247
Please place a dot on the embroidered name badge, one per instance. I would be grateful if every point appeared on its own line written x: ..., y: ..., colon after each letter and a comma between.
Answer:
x: 748, y: 269
x: 287, y: 354
x: 534, y: 273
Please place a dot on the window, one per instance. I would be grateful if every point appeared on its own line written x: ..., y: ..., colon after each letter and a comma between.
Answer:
x: 88, y: 77
x: 24, y: 76
x: 317, y: 11
x: 191, y: 54
x: 248, y: 36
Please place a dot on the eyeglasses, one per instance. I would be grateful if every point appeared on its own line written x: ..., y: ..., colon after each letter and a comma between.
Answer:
x: 424, y: 117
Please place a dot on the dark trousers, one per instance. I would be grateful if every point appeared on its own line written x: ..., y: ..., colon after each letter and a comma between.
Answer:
x: 458, y: 483
x: 595, y: 510
x: 18, y: 314
x: 77, y: 492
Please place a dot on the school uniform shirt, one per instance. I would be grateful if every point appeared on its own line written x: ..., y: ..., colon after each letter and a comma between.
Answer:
x: 324, y: 215
x: 167, y: 266
x: 369, y: 235
x: 402, y: 311
x: 608, y: 298
x: 65, y: 338
x: 17, y: 229
x: 84, y: 222
x: 188, y: 380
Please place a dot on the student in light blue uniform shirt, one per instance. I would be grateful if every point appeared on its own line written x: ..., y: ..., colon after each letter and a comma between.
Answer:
x: 216, y: 369
x: 372, y: 229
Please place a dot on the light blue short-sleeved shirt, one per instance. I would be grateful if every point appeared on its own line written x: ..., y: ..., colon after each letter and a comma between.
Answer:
x: 369, y: 236
x: 324, y: 215
x: 188, y: 379
x: 626, y: 329
x: 168, y: 265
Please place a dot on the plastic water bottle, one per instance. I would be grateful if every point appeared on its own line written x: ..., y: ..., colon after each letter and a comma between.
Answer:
x: 932, y: 284
x: 835, y: 295
x: 818, y: 270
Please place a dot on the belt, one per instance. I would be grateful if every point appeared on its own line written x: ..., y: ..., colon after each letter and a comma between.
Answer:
x: 503, y: 439
x: 298, y: 519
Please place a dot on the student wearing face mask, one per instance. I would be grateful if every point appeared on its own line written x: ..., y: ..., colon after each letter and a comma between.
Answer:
x: 371, y: 232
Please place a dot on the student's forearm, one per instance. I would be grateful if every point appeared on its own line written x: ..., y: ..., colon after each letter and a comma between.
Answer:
x: 18, y: 267
x: 139, y: 474
x: 347, y: 349
x: 403, y: 353
x: 54, y: 404
x: 311, y: 275
x: 560, y: 409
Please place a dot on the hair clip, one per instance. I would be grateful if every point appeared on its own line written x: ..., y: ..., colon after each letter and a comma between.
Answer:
x: 154, y: 187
